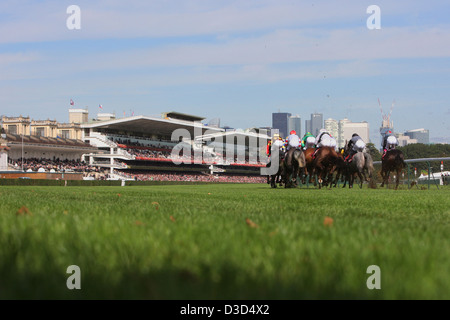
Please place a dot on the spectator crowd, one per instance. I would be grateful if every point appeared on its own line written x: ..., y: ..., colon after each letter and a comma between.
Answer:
x: 153, y: 176
x: 57, y: 165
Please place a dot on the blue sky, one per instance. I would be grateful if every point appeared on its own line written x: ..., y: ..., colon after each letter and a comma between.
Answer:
x: 235, y: 60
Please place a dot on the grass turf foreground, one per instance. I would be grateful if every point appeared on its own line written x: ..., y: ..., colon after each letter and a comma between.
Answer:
x: 234, y: 241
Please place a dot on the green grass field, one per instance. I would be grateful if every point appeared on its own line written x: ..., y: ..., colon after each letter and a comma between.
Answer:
x: 194, y: 242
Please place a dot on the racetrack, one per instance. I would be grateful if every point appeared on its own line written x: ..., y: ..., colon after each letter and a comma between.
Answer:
x: 223, y: 241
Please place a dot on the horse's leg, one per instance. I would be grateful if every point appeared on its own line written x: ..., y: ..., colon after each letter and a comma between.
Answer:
x: 318, y: 179
x: 338, y: 176
x: 311, y: 172
x: 386, y: 177
x: 360, y: 179
x: 287, y: 178
x: 304, y: 174
x: 352, y: 180
x: 345, y: 177
x: 294, y: 176
x: 330, y: 178
x: 397, y: 180
x: 320, y: 171
x: 382, y: 177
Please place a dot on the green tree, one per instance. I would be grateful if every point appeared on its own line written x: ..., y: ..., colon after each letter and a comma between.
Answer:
x: 420, y: 150
x: 373, y: 151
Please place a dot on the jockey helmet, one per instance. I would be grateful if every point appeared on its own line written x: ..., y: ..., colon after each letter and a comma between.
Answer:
x: 293, y: 132
x: 276, y: 135
x: 354, y: 135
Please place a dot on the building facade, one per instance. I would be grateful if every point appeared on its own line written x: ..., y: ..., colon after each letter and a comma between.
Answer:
x: 404, y: 140
x: 307, y: 126
x: 348, y: 128
x: 421, y: 135
x: 316, y: 123
x: 332, y: 127
x: 295, y: 124
x: 280, y: 121
x: 341, y: 129
x: 16, y: 125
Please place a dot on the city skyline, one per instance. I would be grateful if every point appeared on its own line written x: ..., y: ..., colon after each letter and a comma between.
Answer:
x: 239, y: 61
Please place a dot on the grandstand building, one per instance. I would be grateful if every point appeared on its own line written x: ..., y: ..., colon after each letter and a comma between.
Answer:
x: 175, y: 142
x: 132, y: 147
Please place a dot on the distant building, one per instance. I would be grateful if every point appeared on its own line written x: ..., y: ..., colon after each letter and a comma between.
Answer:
x: 78, y: 115
x: 44, y: 128
x: 295, y: 124
x: 421, y: 135
x: 16, y: 125
x: 316, y: 123
x: 307, y: 126
x: 280, y: 121
x: 341, y: 127
x: 264, y: 130
x: 386, y: 126
x: 47, y: 128
x: 404, y: 140
x: 348, y: 128
x: 332, y: 127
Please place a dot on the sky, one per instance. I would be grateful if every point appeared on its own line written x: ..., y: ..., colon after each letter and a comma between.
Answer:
x: 239, y: 61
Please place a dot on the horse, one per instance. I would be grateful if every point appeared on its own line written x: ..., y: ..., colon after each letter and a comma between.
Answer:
x: 393, y: 160
x: 325, y: 162
x: 294, y: 165
x: 355, y: 167
x: 309, y: 163
x: 340, y: 168
x: 277, y: 177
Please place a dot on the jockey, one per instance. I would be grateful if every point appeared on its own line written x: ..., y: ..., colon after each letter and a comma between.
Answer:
x: 292, y: 141
x: 276, y: 141
x: 324, y: 139
x: 355, y: 144
x: 308, y: 141
x: 389, y: 143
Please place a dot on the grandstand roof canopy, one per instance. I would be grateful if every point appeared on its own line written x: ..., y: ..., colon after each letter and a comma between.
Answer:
x: 17, y: 139
x: 182, y: 116
x: 150, y: 125
x: 232, y: 135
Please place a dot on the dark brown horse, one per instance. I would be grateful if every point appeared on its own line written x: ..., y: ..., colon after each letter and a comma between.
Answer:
x: 309, y: 163
x: 392, y: 161
x: 325, y: 162
x: 340, y: 168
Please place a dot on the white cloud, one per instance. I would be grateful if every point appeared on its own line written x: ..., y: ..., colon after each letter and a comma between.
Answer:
x: 306, y: 53
x: 46, y: 20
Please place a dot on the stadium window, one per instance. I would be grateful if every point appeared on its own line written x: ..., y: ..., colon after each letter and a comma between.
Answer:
x: 40, y: 132
x: 66, y: 134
